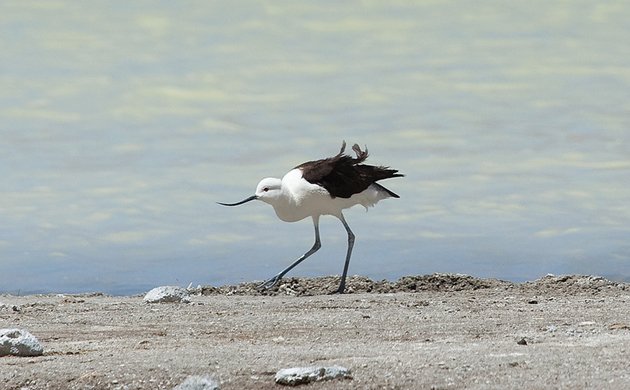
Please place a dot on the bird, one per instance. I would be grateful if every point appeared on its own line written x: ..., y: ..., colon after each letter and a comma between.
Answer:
x: 323, y: 187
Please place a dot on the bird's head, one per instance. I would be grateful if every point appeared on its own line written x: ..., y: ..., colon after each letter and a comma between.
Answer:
x: 268, y: 190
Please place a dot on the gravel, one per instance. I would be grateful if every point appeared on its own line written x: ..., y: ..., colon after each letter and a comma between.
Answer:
x: 434, y: 331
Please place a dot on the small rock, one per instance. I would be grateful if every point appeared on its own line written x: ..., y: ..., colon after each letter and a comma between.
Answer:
x: 167, y: 294
x: 532, y: 302
x: 301, y: 375
x: 618, y: 326
x: 19, y: 342
x: 522, y: 341
x: 198, y: 382
x: 551, y: 328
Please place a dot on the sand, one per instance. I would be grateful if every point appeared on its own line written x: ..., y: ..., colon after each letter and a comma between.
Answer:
x: 435, y: 331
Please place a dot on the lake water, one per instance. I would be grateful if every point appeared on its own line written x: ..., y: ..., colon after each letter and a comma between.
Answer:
x: 122, y: 123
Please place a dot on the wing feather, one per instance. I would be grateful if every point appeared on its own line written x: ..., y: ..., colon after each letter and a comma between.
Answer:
x: 343, y: 176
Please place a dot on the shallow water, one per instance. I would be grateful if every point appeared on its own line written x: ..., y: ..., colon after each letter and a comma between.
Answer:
x: 123, y: 124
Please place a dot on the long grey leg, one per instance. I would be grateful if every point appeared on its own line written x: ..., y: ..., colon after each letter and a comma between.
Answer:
x: 273, y: 281
x: 342, y: 284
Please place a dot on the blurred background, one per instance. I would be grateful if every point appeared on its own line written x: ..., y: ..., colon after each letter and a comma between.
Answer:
x: 122, y: 123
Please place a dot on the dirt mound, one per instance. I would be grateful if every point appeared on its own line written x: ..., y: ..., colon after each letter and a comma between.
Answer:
x: 445, y: 282
x: 565, y: 284
x: 574, y: 284
x: 359, y: 284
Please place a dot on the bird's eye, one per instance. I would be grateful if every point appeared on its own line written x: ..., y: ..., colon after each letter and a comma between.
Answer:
x: 266, y: 189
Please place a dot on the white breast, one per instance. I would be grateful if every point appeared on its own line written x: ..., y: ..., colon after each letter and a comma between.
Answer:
x: 301, y: 199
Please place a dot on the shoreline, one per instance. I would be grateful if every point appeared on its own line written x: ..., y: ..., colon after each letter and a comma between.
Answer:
x: 324, y: 285
x: 450, y: 332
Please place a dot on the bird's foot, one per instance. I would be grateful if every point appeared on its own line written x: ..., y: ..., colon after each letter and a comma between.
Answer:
x: 270, y: 283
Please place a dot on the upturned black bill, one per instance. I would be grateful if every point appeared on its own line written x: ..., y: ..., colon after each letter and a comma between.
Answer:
x: 253, y: 197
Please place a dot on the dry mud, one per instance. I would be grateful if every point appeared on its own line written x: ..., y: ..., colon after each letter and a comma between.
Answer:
x: 435, y: 331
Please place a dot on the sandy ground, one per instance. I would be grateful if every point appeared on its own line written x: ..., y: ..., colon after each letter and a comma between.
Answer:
x: 435, y: 331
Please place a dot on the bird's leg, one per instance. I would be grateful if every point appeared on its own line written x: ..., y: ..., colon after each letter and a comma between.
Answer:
x: 274, y: 280
x: 342, y: 284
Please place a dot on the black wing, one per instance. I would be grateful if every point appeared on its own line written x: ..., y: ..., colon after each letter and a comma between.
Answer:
x: 343, y: 176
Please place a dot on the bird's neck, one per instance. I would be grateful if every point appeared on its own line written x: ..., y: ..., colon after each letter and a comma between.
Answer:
x: 287, y: 207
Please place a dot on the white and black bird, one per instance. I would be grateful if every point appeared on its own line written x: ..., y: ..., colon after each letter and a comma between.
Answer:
x: 324, y: 187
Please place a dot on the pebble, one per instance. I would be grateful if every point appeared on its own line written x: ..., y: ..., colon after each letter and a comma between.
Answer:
x: 618, y: 325
x: 551, y: 328
x: 167, y: 294
x: 301, y: 375
x: 198, y: 382
x: 19, y: 342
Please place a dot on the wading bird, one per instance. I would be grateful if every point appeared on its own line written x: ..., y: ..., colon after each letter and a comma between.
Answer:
x: 324, y: 187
